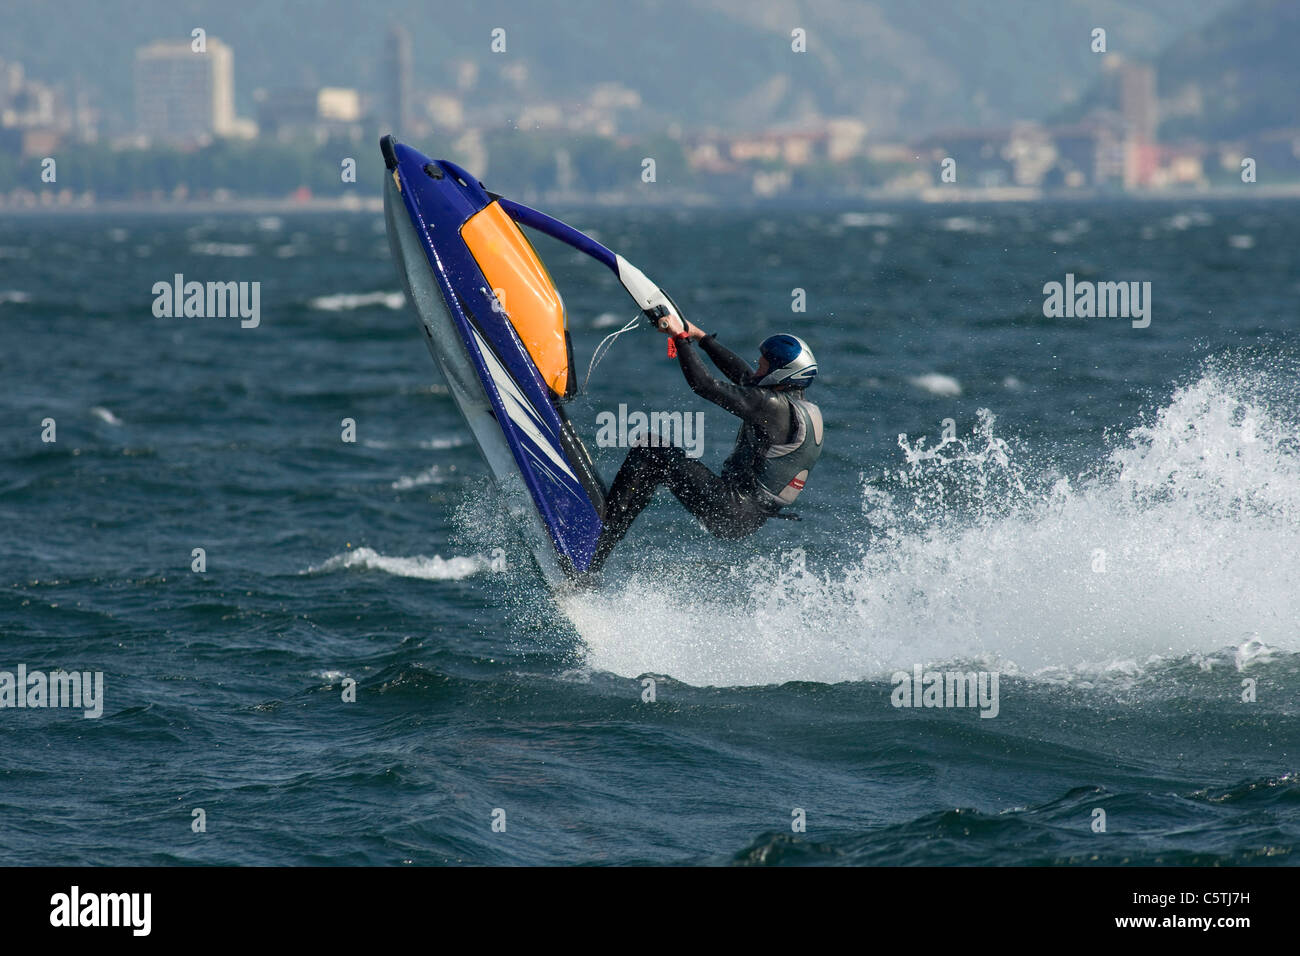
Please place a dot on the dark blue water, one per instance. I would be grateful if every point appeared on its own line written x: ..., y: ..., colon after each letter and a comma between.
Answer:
x: 1112, y: 526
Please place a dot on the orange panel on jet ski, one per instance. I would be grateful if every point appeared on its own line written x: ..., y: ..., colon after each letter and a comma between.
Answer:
x: 528, y: 295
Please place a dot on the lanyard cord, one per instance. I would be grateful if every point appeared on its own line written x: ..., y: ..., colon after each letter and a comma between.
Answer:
x: 603, y: 349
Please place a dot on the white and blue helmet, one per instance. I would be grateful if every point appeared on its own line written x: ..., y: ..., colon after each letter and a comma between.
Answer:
x: 790, y: 361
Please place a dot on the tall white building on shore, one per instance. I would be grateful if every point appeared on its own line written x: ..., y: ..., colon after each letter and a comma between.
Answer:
x: 185, y: 96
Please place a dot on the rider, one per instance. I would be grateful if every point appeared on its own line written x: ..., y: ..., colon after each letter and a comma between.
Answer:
x: 780, y: 440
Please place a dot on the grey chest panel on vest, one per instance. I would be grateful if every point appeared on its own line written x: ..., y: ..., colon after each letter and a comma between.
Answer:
x: 784, y: 468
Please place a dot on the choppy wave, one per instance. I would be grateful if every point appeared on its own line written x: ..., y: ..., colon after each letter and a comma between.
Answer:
x: 858, y: 220
x: 434, y: 444
x: 230, y: 250
x: 431, y: 476
x: 436, y: 568
x: 965, y: 224
x: 1184, y: 541
x: 984, y: 838
x: 935, y: 383
x: 348, y: 301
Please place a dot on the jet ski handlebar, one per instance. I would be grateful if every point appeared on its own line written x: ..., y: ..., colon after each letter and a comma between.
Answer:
x: 655, y: 304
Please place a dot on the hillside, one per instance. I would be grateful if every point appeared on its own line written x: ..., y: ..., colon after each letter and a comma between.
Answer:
x: 903, y: 67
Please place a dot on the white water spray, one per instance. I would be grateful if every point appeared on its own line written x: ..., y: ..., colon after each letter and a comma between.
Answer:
x: 1184, y: 541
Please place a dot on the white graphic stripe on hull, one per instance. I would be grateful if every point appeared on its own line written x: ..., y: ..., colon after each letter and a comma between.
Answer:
x: 518, y: 407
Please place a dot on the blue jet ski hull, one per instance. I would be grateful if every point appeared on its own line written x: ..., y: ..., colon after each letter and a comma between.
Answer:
x: 539, y: 464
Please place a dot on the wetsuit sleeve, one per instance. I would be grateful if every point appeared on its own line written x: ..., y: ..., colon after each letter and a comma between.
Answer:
x: 728, y: 362
x: 758, y: 406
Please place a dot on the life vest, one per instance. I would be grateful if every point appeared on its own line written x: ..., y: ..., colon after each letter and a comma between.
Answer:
x: 778, y: 472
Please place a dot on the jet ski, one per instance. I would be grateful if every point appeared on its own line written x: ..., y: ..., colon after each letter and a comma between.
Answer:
x: 495, y: 324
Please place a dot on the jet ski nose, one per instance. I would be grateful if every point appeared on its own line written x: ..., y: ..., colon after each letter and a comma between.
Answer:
x: 386, y: 144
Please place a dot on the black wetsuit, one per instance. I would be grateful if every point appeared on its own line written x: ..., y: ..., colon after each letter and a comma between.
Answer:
x: 730, y: 505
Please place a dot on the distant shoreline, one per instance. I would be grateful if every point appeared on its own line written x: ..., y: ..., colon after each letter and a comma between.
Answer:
x: 132, y: 207
x: 933, y: 196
